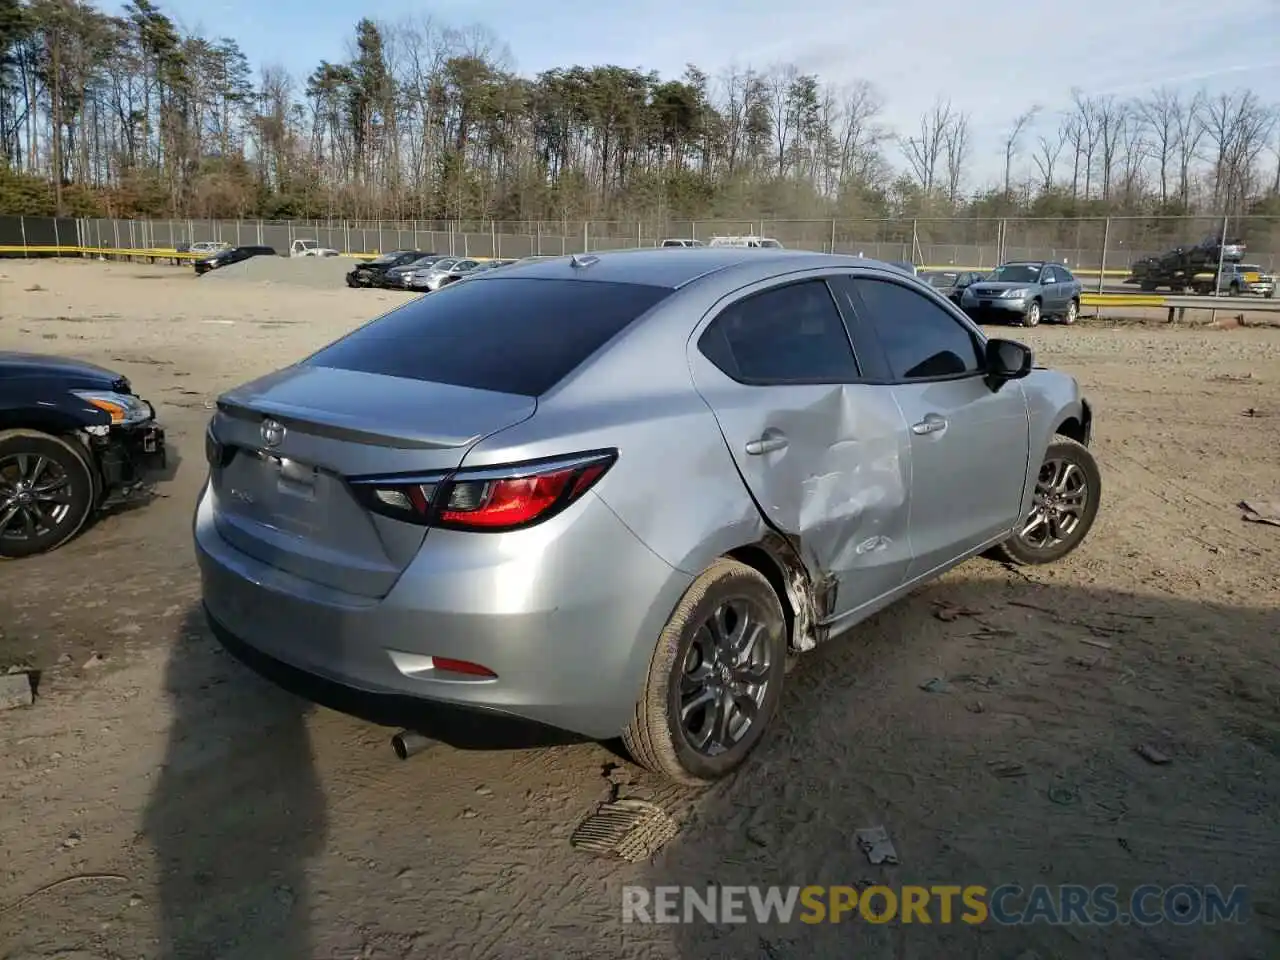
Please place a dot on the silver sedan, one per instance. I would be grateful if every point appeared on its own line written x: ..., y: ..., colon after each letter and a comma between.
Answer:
x: 614, y: 494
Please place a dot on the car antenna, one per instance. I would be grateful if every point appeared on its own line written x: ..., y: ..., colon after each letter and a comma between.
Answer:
x: 583, y: 260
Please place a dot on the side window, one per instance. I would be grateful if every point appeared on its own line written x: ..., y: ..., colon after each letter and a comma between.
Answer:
x: 1048, y: 274
x: 1062, y: 275
x: 921, y: 340
x: 791, y: 334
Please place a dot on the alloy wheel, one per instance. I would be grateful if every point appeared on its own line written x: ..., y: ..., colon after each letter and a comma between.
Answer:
x: 1058, y: 505
x: 35, y: 496
x: 724, y: 678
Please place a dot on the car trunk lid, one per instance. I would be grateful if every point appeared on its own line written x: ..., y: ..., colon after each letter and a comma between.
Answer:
x: 282, y: 447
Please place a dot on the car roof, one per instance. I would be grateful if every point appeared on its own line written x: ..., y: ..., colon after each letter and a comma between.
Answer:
x: 665, y: 268
x: 1026, y: 263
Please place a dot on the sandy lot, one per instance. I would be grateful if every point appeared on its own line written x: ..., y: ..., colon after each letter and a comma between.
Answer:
x: 161, y: 800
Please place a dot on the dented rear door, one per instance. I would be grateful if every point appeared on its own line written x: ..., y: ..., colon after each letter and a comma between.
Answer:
x: 825, y: 457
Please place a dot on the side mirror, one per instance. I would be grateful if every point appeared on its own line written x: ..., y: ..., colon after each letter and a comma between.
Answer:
x: 1007, y: 360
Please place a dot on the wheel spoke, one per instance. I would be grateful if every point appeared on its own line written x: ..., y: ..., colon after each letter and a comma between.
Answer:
x: 746, y: 642
x: 1034, y: 522
x: 7, y: 517
x: 751, y: 673
x: 1066, y: 474
x: 36, y: 470
x: 723, y: 711
x: 700, y: 699
x: 28, y: 524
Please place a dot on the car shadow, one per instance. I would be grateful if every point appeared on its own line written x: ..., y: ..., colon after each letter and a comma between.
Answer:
x: 459, y: 728
x: 1001, y: 731
x: 221, y: 892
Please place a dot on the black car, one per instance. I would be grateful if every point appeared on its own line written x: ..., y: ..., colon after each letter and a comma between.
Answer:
x: 234, y: 255
x: 372, y: 273
x: 74, y: 438
x: 952, y: 283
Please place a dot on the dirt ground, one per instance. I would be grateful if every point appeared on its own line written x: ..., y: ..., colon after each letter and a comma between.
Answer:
x: 191, y: 809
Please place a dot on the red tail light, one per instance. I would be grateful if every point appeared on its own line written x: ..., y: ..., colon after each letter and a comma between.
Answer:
x: 487, y: 498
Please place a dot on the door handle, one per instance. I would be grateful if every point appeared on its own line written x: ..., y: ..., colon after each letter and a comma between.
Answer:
x: 930, y: 424
x: 766, y: 445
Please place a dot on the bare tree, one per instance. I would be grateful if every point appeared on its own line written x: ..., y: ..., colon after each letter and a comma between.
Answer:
x: 782, y: 117
x: 1238, y: 126
x: 1048, y: 150
x: 1160, y: 113
x: 1013, y: 142
x: 924, y: 152
x: 1085, y: 130
x: 859, y: 134
x: 1110, y: 115
x: 1191, y: 132
x: 957, y: 147
x: 1135, y: 150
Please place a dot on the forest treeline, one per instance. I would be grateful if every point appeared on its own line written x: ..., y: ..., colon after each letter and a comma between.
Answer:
x: 128, y: 116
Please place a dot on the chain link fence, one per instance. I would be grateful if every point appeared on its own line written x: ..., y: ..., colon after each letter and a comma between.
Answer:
x: 1084, y: 245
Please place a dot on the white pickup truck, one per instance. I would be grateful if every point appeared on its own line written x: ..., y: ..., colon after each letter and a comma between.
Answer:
x: 310, y: 248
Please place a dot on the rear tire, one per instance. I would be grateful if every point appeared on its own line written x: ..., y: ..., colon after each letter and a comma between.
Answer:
x: 47, y: 492
x: 706, y: 705
x: 1067, y: 494
x: 1072, y: 314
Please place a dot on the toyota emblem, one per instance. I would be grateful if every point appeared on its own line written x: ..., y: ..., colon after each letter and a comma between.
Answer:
x: 272, y: 433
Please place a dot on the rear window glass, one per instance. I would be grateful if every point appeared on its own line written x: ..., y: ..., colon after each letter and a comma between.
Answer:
x: 506, y: 334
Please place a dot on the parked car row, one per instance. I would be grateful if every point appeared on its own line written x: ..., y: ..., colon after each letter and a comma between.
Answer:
x: 418, y: 270
x: 1021, y: 292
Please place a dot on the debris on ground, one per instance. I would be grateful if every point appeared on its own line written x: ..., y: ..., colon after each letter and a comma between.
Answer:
x: 1062, y: 795
x: 95, y: 660
x: 948, y: 612
x: 1006, y: 769
x: 1261, y: 511
x: 935, y: 685
x: 1102, y: 644
x: 1232, y: 378
x: 1151, y: 754
x: 15, y: 691
x: 875, y: 843
x: 631, y: 830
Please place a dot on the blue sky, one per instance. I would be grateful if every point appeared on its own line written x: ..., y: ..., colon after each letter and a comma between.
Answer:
x: 993, y: 58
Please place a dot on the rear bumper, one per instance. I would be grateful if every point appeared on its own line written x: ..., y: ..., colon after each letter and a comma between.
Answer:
x: 566, y: 614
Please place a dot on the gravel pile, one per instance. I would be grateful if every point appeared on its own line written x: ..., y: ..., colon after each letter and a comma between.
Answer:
x: 317, y: 273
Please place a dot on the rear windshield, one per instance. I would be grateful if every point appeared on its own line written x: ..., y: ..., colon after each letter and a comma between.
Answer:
x: 506, y: 334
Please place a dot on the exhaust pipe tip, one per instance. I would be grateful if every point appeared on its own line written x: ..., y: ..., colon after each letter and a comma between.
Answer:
x: 406, y: 743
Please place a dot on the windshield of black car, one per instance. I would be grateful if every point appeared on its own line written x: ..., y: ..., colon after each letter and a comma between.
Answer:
x: 942, y: 279
x: 1016, y: 273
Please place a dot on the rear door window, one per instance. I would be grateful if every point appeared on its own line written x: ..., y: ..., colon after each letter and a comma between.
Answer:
x: 506, y: 334
x: 790, y: 334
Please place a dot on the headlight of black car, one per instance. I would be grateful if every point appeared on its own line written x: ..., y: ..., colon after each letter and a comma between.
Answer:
x: 123, y: 408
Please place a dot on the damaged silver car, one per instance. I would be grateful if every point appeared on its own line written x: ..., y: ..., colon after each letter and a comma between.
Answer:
x: 614, y: 494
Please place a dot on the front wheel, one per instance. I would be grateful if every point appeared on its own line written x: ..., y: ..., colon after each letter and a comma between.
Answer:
x: 1064, y: 505
x: 46, y: 492
x: 1032, y: 317
x: 715, y: 678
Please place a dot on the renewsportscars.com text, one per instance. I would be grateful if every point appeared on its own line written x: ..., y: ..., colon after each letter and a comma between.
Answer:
x: 1009, y: 904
